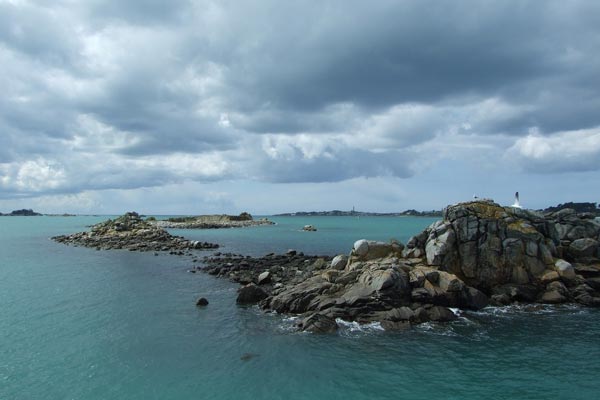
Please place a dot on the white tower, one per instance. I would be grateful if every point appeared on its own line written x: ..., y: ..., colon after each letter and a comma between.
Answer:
x: 517, y: 203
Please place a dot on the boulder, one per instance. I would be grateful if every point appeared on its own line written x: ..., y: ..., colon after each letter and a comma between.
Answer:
x: 250, y: 294
x: 360, y: 248
x: 475, y: 299
x: 339, y: 262
x: 201, y: 302
x: 370, y: 249
x: 441, y: 314
x: 564, y: 269
x: 553, y: 297
x: 399, y: 314
x: 520, y: 293
x: 264, y: 277
x: 395, y: 325
x: 318, y: 323
x: 584, y: 247
x: 549, y: 276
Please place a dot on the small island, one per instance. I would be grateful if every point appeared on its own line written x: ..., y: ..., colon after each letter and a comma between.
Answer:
x: 211, y: 222
x: 22, y: 213
x: 131, y: 232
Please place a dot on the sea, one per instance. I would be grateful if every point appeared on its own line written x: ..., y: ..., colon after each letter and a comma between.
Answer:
x: 77, y: 323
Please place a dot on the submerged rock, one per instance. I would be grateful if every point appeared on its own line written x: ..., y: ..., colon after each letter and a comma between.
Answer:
x: 201, y: 302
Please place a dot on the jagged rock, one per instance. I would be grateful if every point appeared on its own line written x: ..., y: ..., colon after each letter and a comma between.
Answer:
x: 441, y: 314
x: 399, y: 314
x: 318, y: 323
x: 250, y: 294
x: 395, y: 325
x: 475, y: 299
x: 487, y: 245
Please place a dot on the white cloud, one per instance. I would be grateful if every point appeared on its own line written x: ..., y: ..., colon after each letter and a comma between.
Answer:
x: 34, y: 176
x: 563, y: 151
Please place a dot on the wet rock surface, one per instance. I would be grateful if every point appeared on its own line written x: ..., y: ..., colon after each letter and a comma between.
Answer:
x: 479, y: 254
x: 131, y: 232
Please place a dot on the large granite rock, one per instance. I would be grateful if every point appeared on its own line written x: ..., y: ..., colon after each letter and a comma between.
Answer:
x: 250, y: 294
x: 487, y: 245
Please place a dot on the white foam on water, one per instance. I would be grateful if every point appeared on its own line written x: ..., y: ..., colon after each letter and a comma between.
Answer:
x: 534, y: 309
x: 353, y: 327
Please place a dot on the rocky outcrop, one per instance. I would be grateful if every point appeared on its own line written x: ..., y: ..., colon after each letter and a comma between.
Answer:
x: 271, y: 271
x: 376, y: 284
x: 318, y: 323
x: 372, y: 284
x: 480, y: 253
x: 250, y: 294
x: 130, y: 232
x: 491, y: 248
x: 212, y: 222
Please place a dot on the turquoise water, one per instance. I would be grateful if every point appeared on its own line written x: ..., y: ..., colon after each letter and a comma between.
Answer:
x: 77, y: 323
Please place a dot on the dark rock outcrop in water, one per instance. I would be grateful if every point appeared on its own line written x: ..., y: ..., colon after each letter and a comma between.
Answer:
x: 479, y: 253
x: 130, y: 232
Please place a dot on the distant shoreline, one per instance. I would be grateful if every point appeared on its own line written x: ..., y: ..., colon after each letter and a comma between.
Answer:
x: 337, y: 213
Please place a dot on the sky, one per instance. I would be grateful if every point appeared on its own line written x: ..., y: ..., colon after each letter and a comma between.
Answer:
x: 191, y: 107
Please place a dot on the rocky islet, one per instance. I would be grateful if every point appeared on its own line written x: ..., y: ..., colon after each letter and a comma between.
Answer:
x: 131, y: 232
x: 212, y: 222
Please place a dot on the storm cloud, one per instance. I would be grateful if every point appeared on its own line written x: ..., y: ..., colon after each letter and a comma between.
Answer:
x: 112, y: 95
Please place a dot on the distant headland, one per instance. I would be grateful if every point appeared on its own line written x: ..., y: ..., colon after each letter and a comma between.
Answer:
x: 22, y: 213
x: 583, y: 207
x: 339, y: 213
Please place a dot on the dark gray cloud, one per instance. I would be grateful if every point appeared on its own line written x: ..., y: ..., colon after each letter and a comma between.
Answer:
x: 114, y: 94
x: 335, y: 166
